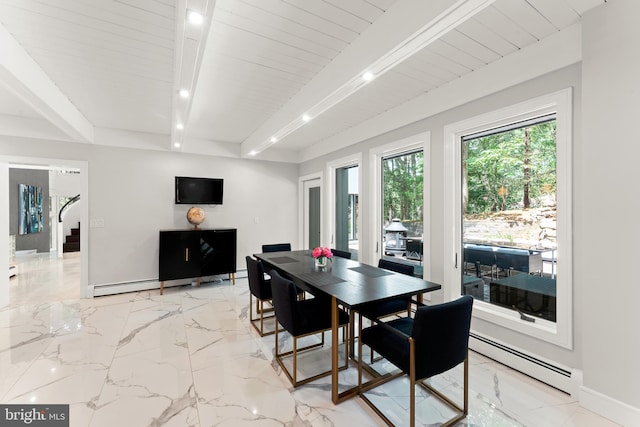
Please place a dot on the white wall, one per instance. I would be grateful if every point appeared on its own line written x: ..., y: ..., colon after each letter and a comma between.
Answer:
x: 4, y: 240
x: 132, y: 191
x: 67, y: 185
x: 607, y: 229
x: 606, y: 150
x: 434, y: 217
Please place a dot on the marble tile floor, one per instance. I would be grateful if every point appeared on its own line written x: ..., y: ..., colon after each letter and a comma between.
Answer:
x: 45, y: 277
x: 190, y: 358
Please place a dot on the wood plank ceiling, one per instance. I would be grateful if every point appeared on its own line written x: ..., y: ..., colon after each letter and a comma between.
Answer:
x: 110, y: 58
x: 261, y: 64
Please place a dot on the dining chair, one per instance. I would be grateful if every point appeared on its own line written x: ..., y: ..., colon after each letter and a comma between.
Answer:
x: 385, y: 308
x: 436, y: 340
x: 260, y: 288
x: 301, y: 318
x: 395, y: 305
x: 276, y: 247
x: 341, y: 253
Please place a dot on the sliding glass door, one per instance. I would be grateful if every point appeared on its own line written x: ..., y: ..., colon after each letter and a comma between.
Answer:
x: 311, y: 213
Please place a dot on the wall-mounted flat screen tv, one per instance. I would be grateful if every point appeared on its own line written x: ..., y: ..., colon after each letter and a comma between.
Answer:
x: 199, y: 191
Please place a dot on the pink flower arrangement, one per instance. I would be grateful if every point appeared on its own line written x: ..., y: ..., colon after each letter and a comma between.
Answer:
x: 320, y: 253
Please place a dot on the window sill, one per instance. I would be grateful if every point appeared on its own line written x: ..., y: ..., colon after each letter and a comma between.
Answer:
x: 541, y: 329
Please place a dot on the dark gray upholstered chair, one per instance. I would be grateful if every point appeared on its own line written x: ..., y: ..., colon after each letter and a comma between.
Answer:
x: 392, y: 306
x: 341, y: 253
x: 301, y: 318
x: 434, y: 341
x: 260, y: 288
x: 389, y: 307
x: 276, y: 247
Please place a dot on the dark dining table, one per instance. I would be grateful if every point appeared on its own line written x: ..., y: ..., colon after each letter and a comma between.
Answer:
x: 348, y: 283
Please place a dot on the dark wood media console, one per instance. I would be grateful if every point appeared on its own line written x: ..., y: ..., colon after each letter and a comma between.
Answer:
x: 196, y: 253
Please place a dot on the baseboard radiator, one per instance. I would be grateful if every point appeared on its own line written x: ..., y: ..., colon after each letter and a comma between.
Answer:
x: 560, y: 377
x: 149, y: 284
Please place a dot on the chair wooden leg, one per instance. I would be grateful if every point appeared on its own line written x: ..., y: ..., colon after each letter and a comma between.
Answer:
x: 351, y: 334
x: 359, y: 351
x: 465, y: 406
x: 260, y: 307
x: 412, y: 382
x: 462, y: 411
x: 293, y: 376
x: 276, y: 335
x: 258, y: 322
x: 295, y: 359
x: 345, y: 340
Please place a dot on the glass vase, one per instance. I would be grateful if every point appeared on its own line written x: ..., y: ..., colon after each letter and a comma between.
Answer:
x: 321, y: 262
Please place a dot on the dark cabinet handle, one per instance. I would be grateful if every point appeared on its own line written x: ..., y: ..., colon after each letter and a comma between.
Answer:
x: 186, y: 254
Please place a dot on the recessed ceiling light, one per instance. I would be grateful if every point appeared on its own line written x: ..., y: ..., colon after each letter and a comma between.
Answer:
x: 306, y: 117
x: 253, y: 152
x: 195, y: 18
x: 273, y: 139
x: 184, y: 93
x: 176, y: 144
x: 368, y: 76
x: 179, y: 126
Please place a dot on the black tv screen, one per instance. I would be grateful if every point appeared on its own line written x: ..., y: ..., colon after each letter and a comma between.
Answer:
x: 204, y: 191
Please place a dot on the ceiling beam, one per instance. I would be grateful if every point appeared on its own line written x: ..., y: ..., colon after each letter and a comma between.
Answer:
x: 23, y: 77
x: 403, y: 30
x: 191, y: 41
x: 555, y: 52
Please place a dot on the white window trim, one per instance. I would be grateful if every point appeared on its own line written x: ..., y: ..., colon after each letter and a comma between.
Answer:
x: 330, y: 214
x: 303, y: 201
x: 86, y: 290
x: 421, y: 141
x: 561, y: 332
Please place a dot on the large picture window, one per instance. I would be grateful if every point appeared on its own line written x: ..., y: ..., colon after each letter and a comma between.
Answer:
x: 343, y: 205
x: 400, y: 223
x: 347, y: 208
x: 403, y: 208
x: 508, y: 212
x: 509, y: 216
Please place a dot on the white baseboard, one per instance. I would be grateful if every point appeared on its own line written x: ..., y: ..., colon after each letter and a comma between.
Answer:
x: 26, y: 252
x: 124, y: 287
x: 619, y: 412
x: 145, y: 285
x: 563, y: 378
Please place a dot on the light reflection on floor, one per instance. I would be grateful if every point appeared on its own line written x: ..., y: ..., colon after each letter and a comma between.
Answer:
x: 189, y: 357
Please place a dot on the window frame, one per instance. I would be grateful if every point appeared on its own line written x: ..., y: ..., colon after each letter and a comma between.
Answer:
x: 419, y: 142
x: 330, y: 206
x: 561, y: 332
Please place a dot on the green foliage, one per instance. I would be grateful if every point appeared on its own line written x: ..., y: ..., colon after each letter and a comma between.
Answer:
x: 403, y: 184
x: 500, y: 166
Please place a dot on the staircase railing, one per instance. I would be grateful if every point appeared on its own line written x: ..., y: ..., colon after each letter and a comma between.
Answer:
x: 66, y: 206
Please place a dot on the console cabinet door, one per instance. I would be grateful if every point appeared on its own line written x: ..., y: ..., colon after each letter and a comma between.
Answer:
x: 179, y: 255
x: 217, y: 251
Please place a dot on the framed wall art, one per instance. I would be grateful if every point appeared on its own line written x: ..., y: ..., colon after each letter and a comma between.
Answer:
x: 30, y: 206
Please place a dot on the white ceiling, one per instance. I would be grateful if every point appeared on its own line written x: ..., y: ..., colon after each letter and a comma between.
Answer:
x: 72, y: 68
